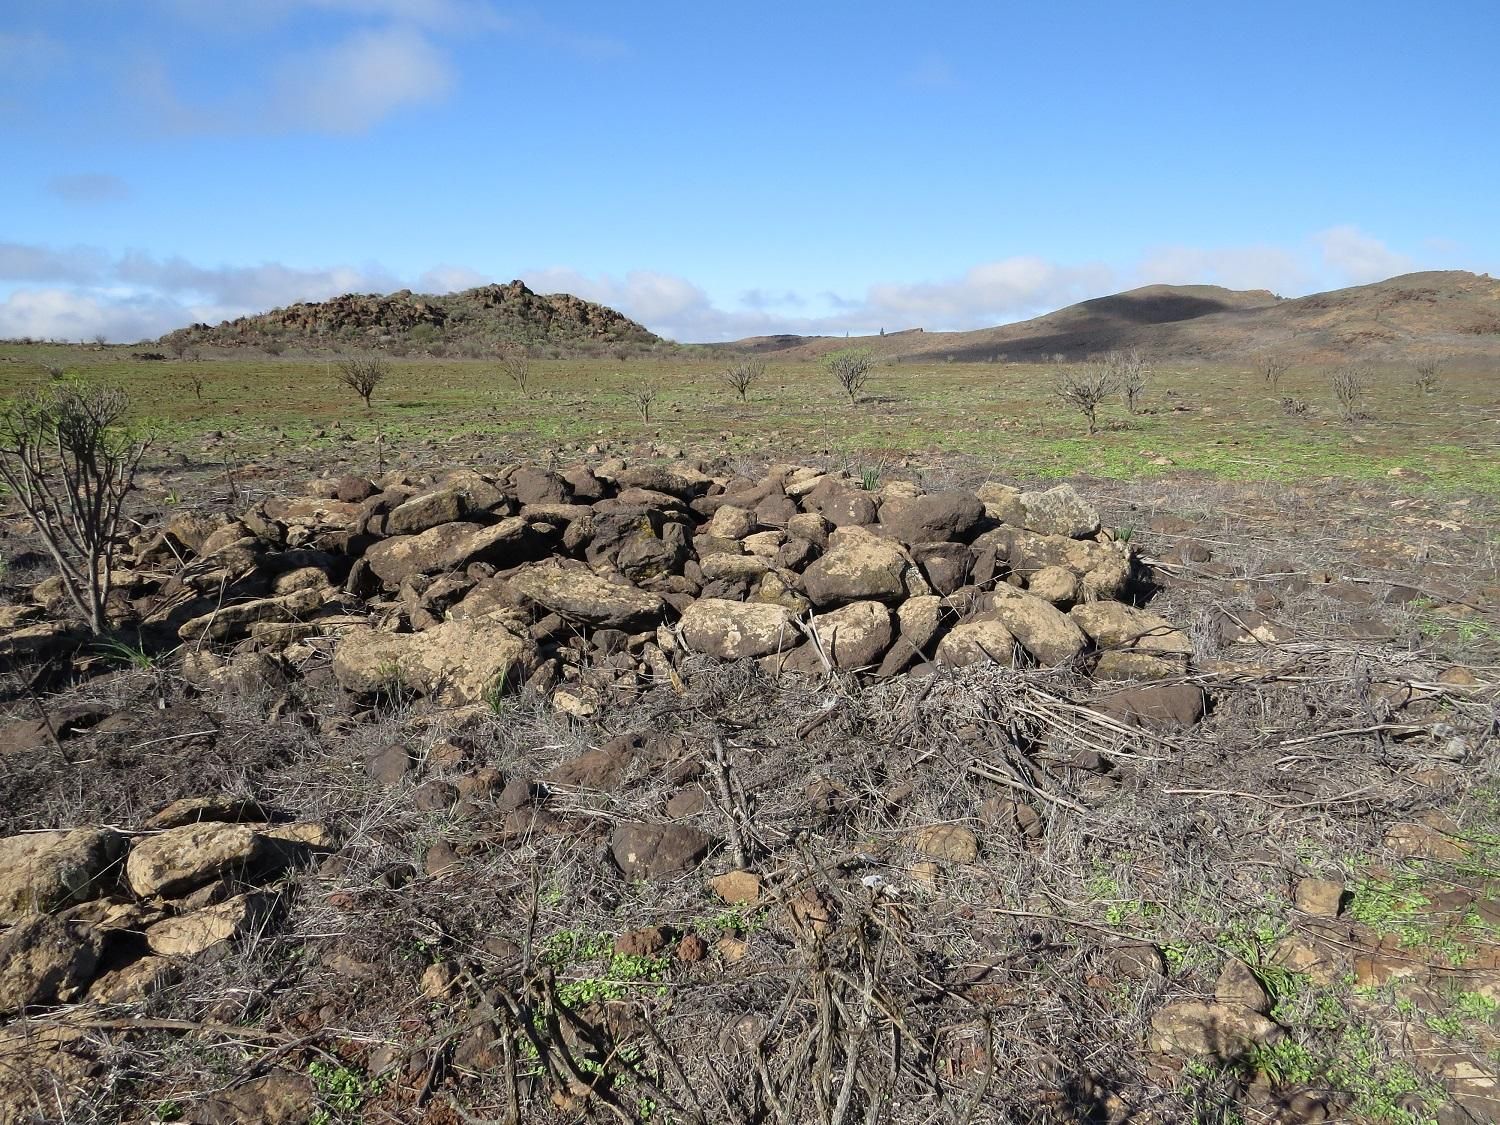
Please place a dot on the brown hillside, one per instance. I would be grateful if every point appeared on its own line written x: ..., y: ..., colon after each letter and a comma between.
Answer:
x: 1450, y: 311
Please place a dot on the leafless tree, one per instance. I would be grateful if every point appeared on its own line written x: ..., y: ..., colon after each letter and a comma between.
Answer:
x: 177, y: 344
x: 743, y: 375
x: 195, y: 380
x: 68, y: 458
x: 1272, y: 367
x: 851, y: 367
x: 644, y: 392
x: 516, y: 365
x: 1085, y: 389
x: 1425, y: 377
x: 362, y: 375
x: 1349, y: 384
x: 1129, y: 371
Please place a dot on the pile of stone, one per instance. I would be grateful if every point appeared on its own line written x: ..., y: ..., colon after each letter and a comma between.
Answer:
x: 111, y: 916
x: 586, y: 582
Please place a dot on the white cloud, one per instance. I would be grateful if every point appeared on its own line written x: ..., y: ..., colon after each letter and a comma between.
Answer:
x: 1358, y: 257
x: 77, y: 291
x: 89, y: 187
x: 350, y: 87
x: 1234, y: 267
x: 450, y: 279
x: 991, y: 293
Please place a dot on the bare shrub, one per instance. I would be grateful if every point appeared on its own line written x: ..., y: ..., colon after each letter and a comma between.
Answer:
x: 1294, y: 406
x: 1130, y: 373
x: 516, y: 366
x: 194, y: 379
x: 644, y: 392
x: 362, y: 375
x: 1349, y: 384
x: 1272, y: 367
x: 851, y: 367
x: 743, y: 375
x: 1425, y: 374
x: 68, y: 458
x: 273, y: 347
x: 177, y: 345
x: 1086, y: 389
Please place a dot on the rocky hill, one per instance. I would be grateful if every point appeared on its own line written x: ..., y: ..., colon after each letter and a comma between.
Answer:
x: 1452, y: 312
x: 472, y: 322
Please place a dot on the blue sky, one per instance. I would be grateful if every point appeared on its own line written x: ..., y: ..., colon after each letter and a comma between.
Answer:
x: 718, y: 170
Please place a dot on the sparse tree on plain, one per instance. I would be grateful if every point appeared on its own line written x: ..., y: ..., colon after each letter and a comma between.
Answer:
x: 69, y: 460
x: 1425, y: 377
x: 851, y: 367
x: 516, y: 366
x: 1130, y: 372
x: 743, y: 375
x: 362, y: 375
x: 1349, y: 384
x: 1272, y: 367
x: 194, y: 379
x: 1086, y: 389
x: 644, y: 392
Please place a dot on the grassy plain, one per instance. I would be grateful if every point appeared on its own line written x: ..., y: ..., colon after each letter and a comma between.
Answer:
x: 1222, y: 420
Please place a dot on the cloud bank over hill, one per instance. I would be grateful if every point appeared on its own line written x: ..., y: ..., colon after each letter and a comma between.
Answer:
x: 79, y: 292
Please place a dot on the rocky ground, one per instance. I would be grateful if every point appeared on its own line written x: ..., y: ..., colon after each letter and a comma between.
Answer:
x: 647, y: 789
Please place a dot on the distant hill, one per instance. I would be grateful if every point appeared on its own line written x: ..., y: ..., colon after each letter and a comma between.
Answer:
x: 1452, y: 312
x: 473, y: 322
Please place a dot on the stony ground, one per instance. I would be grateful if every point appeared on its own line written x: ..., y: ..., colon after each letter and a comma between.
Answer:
x: 877, y: 802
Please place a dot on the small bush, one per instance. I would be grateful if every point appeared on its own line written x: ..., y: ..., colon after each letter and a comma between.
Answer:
x: 644, y: 392
x: 851, y: 367
x: 1086, y: 389
x: 516, y: 366
x: 1272, y: 368
x: 1349, y: 384
x: 362, y: 375
x: 1425, y: 375
x: 741, y: 376
x: 69, y: 460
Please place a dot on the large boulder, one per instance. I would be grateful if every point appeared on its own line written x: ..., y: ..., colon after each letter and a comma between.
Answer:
x: 45, y: 960
x: 1059, y: 511
x: 655, y: 851
x: 977, y: 642
x: 1043, y: 630
x: 44, y: 871
x: 188, y: 935
x: 840, y: 504
x: 681, y: 481
x: 854, y: 636
x: 641, y: 543
x: 578, y: 594
x: 453, y: 546
x: 1139, y: 644
x: 426, y: 511
x: 857, y: 567
x: 1224, y: 1032
x: 737, y: 630
x: 540, y: 486
x: 461, y: 661
x: 178, y: 860
x: 235, y: 619
x: 933, y: 518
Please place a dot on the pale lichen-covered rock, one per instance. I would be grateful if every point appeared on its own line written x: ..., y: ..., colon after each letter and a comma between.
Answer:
x: 451, y: 546
x: 737, y: 630
x: 44, y: 871
x: 1043, y: 630
x: 1059, y: 511
x: 854, y: 636
x: 575, y: 592
x: 179, y: 860
x: 465, y: 661
x: 857, y: 567
x: 1221, y: 1031
x: 235, y: 619
x: 188, y: 935
x: 45, y: 960
x: 977, y: 642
